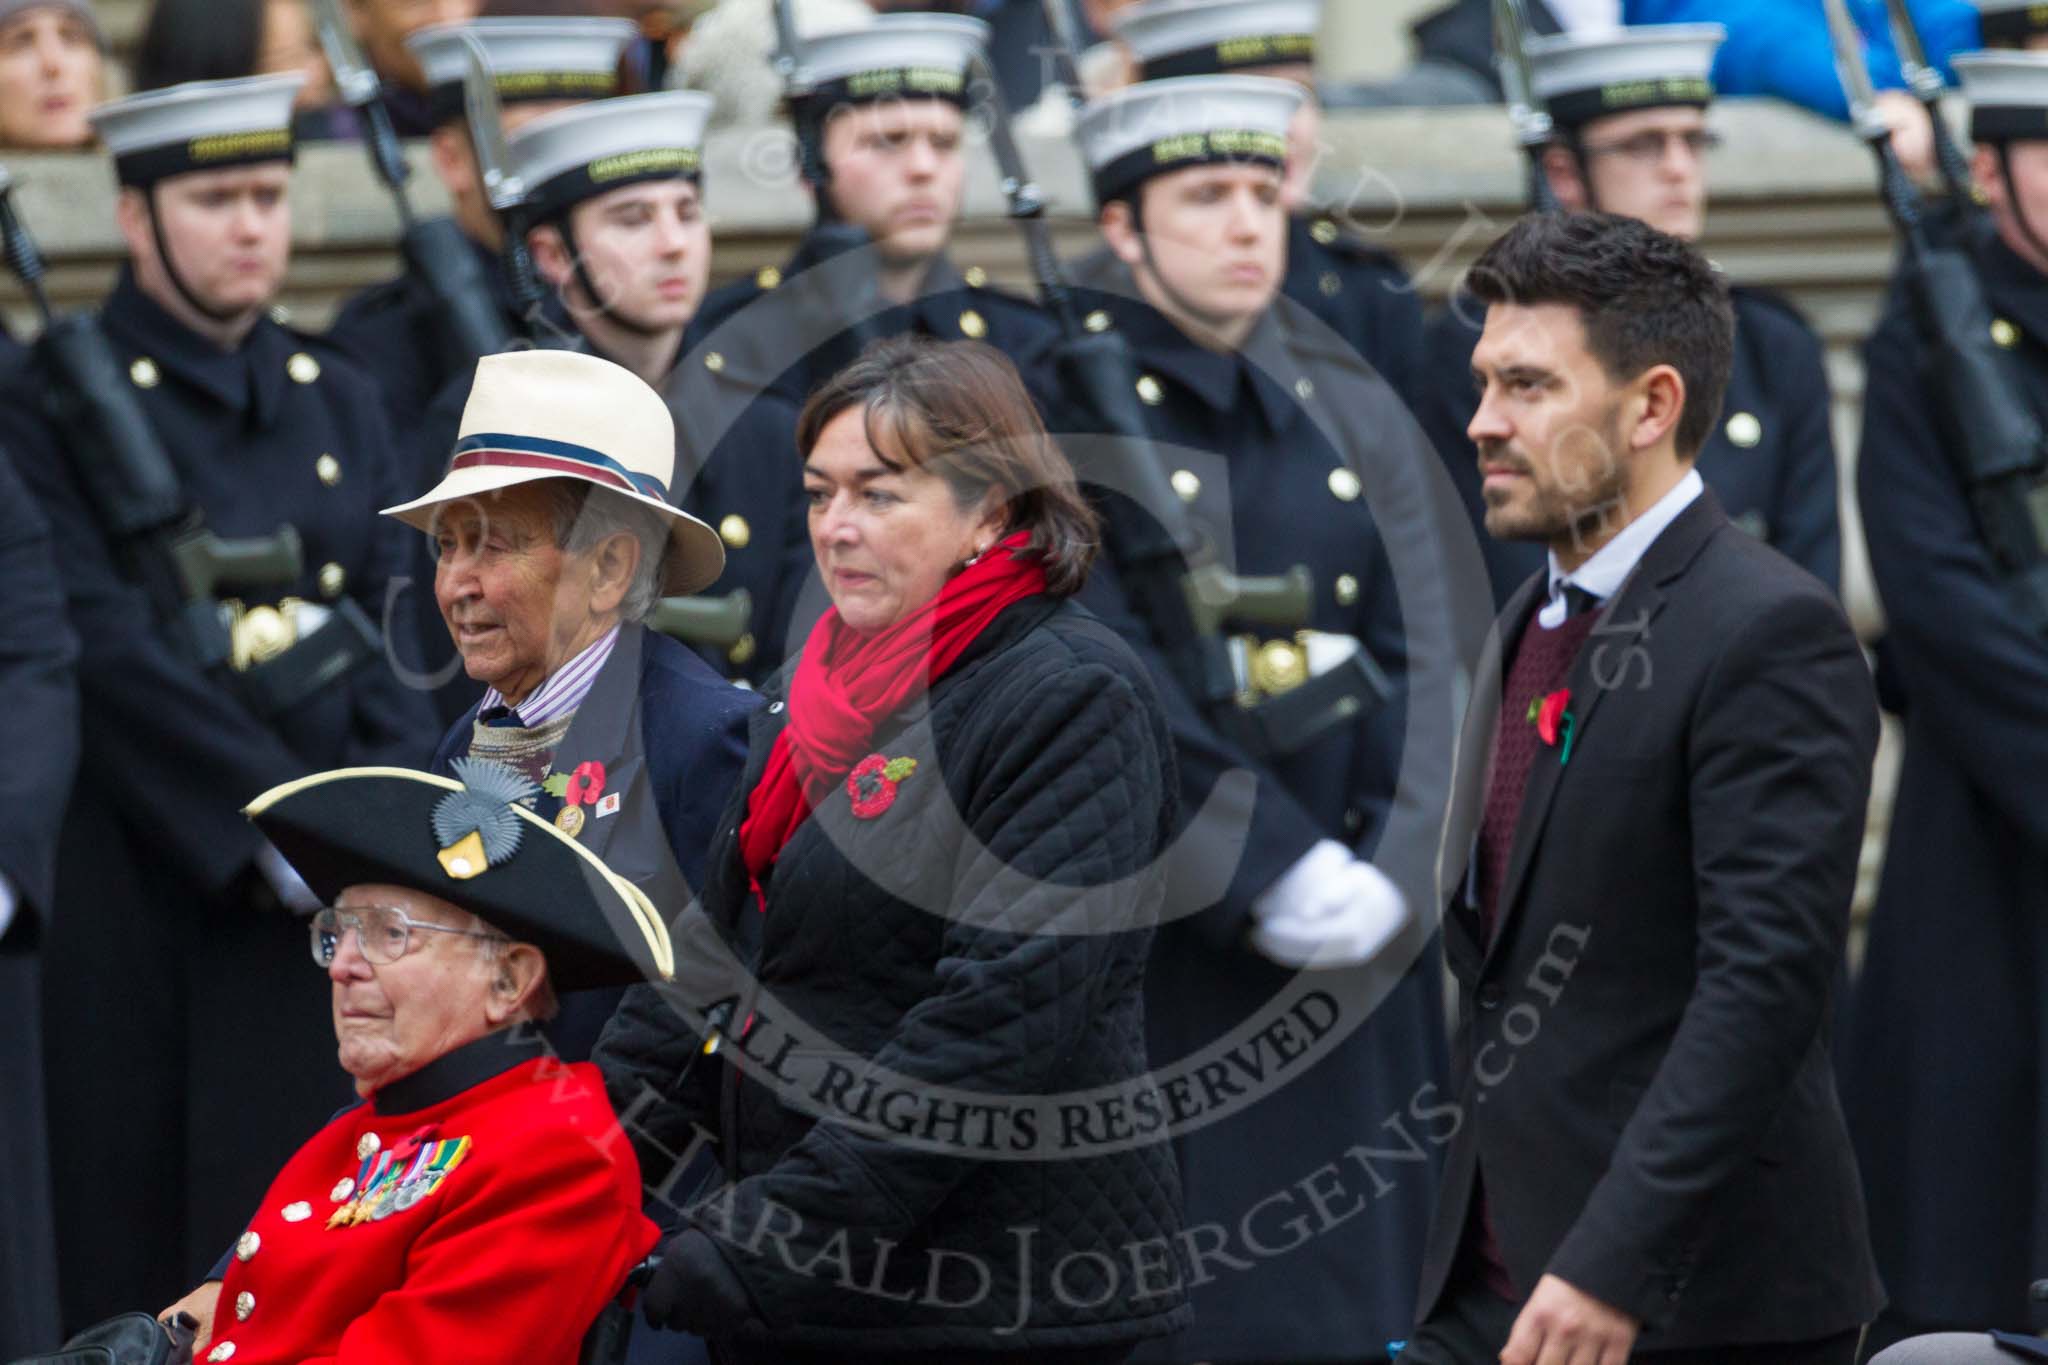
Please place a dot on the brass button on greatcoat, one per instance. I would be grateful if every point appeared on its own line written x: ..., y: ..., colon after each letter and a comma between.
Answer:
x: 1150, y: 392
x: 735, y: 532
x: 976, y: 277
x: 742, y: 652
x: 333, y: 578
x: 144, y: 373
x: 1745, y: 430
x: 1186, y: 484
x: 973, y: 325
x: 1097, y: 321
x: 302, y: 368
x: 1324, y: 231
x: 1344, y: 485
x: 714, y: 362
x: 1347, y: 589
x: 328, y: 469
x: 768, y: 277
x: 1331, y: 283
x: 2004, y: 334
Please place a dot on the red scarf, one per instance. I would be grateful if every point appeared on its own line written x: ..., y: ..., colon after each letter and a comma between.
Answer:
x: 847, y: 683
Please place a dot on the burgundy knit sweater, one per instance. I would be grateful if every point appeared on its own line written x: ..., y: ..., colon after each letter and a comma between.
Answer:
x: 1542, y: 663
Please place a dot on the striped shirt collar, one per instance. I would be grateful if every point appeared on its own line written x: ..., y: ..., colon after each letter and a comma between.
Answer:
x: 561, y: 691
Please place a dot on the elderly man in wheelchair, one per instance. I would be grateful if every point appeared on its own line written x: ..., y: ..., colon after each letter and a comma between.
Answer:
x: 481, y: 1203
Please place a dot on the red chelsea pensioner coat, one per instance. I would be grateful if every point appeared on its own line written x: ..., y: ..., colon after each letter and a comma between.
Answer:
x: 484, y: 1208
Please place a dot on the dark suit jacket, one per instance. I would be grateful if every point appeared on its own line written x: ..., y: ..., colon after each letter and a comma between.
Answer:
x: 672, y: 736
x: 1641, y: 1050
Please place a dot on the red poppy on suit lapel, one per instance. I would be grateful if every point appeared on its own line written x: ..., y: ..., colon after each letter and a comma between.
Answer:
x: 1548, y: 713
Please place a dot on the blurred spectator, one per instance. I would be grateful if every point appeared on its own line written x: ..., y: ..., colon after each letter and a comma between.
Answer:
x: 727, y: 54
x: 1781, y: 49
x: 51, y: 59
x: 215, y: 40
x: 383, y: 26
x: 1773, y: 48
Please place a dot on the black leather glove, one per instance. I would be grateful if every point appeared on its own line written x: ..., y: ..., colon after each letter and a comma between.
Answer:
x: 695, y: 1289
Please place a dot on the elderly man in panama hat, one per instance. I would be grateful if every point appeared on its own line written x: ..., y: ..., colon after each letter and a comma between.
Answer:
x: 554, y: 537
x: 416, y: 1224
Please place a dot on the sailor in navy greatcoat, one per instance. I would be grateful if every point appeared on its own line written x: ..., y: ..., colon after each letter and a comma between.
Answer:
x: 39, y: 730
x: 1359, y: 291
x: 1286, y: 452
x: 167, y: 891
x: 886, y: 118
x: 628, y: 254
x: 540, y: 64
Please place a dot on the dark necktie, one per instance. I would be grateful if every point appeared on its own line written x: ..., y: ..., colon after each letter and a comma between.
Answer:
x: 1577, y: 599
x: 502, y: 717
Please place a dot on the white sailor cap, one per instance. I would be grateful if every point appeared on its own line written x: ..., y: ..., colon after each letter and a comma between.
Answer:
x: 1583, y: 76
x: 2008, y: 94
x: 530, y: 59
x: 1214, y: 37
x: 898, y: 56
x: 2011, y: 21
x: 1155, y: 127
x: 198, y: 126
x: 571, y: 155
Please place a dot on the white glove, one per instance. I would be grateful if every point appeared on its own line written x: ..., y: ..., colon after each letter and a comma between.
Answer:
x: 290, y: 887
x: 1331, y: 909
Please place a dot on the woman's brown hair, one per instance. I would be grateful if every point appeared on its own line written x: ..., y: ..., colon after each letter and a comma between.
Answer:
x: 958, y: 409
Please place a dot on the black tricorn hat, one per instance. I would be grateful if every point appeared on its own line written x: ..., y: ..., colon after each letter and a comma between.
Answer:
x: 472, y: 844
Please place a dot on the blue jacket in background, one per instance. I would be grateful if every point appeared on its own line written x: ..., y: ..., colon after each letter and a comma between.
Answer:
x: 1781, y: 47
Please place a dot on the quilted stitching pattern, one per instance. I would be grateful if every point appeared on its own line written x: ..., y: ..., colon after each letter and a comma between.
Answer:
x: 989, y: 933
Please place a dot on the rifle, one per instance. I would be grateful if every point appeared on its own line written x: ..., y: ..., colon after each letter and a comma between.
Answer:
x: 830, y: 235
x: 1927, y: 86
x: 712, y: 622
x: 1166, y: 565
x: 502, y: 187
x: 436, y: 252
x: 1991, y: 435
x: 128, y: 477
x: 1531, y: 121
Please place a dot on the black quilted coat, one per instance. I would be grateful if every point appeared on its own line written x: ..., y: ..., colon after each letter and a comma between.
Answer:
x: 949, y: 969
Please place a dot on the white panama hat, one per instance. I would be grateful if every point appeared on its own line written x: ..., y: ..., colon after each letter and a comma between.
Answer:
x: 545, y: 414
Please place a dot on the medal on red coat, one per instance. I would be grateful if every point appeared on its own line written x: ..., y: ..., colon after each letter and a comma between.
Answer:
x: 389, y: 1182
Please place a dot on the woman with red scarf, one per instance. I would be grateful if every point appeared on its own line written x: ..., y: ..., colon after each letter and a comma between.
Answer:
x: 940, y: 871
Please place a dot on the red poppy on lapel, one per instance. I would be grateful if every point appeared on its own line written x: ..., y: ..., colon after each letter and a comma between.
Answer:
x: 871, y: 786
x: 585, y: 785
x: 1548, y: 713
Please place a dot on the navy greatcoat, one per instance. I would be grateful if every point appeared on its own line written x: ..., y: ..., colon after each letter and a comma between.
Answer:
x: 1943, y: 1065
x: 168, y: 946
x: 39, y: 730
x: 1255, y: 430
x: 799, y: 317
x: 672, y: 736
x: 1362, y: 293
x: 389, y: 329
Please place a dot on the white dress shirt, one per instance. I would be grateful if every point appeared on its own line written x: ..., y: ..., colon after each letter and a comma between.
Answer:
x: 1604, y: 573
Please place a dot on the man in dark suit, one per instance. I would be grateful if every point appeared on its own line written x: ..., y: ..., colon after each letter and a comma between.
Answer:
x: 1630, y: 106
x: 1661, y: 793
x: 39, y: 730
